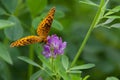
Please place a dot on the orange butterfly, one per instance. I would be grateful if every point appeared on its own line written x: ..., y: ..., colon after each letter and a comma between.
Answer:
x: 42, y: 31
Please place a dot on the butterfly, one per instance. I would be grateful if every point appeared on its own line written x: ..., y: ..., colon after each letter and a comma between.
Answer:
x: 42, y: 32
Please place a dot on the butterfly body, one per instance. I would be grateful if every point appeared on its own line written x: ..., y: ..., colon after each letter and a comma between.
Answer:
x: 42, y: 32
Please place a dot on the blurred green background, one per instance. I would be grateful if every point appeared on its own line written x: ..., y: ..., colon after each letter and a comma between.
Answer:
x: 73, y: 19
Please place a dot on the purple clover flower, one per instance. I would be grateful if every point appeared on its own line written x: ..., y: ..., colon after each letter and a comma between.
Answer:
x: 54, y: 46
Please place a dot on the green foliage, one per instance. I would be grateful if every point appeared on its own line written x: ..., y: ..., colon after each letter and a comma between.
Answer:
x: 14, y: 32
x: 5, y: 73
x: 36, y: 75
x: 9, y: 6
x: 57, y: 25
x: 89, y: 2
x: 86, y: 77
x: 5, y: 23
x: 111, y: 78
x: 112, y: 11
x: 37, y: 6
x: 46, y: 63
x: 85, y: 66
x: 2, y: 11
x: 65, y: 62
x: 74, y: 72
x: 111, y: 17
x: 59, y: 14
x: 28, y: 61
x: 4, y: 54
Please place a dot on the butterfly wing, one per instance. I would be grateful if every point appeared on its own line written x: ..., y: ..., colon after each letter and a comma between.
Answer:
x: 44, y: 27
x: 42, y: 32
x: 26, y: 41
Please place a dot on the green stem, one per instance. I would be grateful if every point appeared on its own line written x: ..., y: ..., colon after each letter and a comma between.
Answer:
x: 94, y: 23
x: 52, y: 63
x: 58, y: 77
x: 31, y: 56
x: 47, y: 72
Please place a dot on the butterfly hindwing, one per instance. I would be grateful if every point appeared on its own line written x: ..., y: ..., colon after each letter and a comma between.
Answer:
x: 26, y: 41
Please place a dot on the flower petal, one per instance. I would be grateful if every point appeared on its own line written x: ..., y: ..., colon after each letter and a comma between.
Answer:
x: 54, y: 46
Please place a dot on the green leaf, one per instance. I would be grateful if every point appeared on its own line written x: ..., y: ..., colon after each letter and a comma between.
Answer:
x: 10, y: 5
x: 64, y: 74
x: 108, y: 21
x: 85, y: 66
x: 65, y: 62
x: 44, y: 61
x: 26, y: 59
x: 86, y: 77
x: 35, y: 75
x: 111, y: 78
x: 89, y: 2
x: 36, y: 21
x: 117, y: 25
x: 36, y: 6
x: 57, y: 25
x: 4, y: 54
x: 59, y: 14
x: 59, y: 68
x: 75, y: 77
x: 2, y: 11
x: 103, y: 8
x: 75, y: 72
x: 5, y: 23
x: 14, y: 32
x: 5, y: 71
x: 100, y: 12
x: 112, y: 11
x: 113, y: 16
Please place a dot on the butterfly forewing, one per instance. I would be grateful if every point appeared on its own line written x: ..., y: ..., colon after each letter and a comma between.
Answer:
x: 44, y: 27
x: 26, y: 41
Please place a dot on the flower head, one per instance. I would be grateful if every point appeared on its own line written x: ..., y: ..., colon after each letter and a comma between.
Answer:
x: 54, y: 46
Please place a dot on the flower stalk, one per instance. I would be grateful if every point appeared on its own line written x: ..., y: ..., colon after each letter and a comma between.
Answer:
x: 31, y: 56
x: 93, y: 25
x: 54, y: 47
